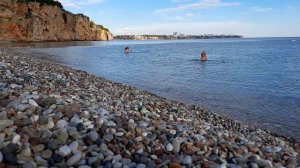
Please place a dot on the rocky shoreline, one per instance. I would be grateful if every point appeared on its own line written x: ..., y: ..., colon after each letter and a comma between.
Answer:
x: 55, y: 116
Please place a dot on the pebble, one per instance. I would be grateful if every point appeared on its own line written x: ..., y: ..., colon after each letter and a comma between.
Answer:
x: 50, y: 125
x: 169, y: 147
x: 61, y: 124
x: 16, y: 138
x: 119, y: 134
x: 74, y: 146
x: 111, y: 124
x: 64, y: 151
x: 74, y: 159
x: 187, y: 160
x: 176, y: 145
x: 33, y: 103
x: 93, y: 135
x: 46, y: 154
x: 141, y: 166
x: 26, y: 152
x: 1, y: 157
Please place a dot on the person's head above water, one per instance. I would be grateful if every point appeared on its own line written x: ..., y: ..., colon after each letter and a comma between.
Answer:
x: 203, y: 56
x: 126, y: 50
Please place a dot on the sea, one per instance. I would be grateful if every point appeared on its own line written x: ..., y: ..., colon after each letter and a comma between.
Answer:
x: 253, y: 80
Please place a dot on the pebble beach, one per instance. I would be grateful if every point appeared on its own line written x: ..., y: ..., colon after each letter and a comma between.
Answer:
x: 52, y: 115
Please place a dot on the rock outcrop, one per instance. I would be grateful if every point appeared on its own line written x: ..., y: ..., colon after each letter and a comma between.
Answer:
x: 30, y: 22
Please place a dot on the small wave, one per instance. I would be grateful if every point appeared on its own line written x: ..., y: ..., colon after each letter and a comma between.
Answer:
x: 293, y: 40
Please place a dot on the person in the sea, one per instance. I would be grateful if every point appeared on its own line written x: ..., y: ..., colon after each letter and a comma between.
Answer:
x: 203, y: 56
x: 126, y: 50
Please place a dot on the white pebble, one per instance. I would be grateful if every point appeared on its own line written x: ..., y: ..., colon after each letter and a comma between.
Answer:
x: 33, y: 103
x: 64, y: 151
x: 145, y: 134
x: 50, y: 125
x: 16, y: 139
x: 173, y: 132
x: 154, y: 157
x: 119, y: 134
x: 169, y: 147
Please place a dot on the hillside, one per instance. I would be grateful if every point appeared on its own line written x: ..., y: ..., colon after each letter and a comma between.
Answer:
x: 25, y: 21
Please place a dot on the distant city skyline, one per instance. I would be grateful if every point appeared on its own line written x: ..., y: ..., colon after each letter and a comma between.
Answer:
x: 253, y: 18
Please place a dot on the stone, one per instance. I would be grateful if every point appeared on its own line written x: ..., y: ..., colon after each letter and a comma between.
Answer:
x: 40, y: 161
x: 93, y: 135
x: 57, y: 158
x: 62, y: 137
x: 61, y: 124
x: 33, y: 103
x: 38, y: 148
x: 141, y: 166
x: 50, y: 124
x: 169, y: 147
x: 47, y: 154
x: 64, y: 151
x: 10, y: 148
x: 117, y: 165
x: 174, y: 165
x: 119, y: 134
x: 144, y: 110
x: 176, y: 145
x: 30, y: 164
x: 16, y: 138
x: 5, y: 123
x: 187, y: 160
x: 74, y: 159
x: 10, y: 158
x: 116, y: 158
x: 26, y: 152
x: 1, y: 157
x: 74, y: 146
x: 111, y: 124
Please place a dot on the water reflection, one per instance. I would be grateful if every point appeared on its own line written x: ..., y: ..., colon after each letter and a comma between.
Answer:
x: 45, y: 45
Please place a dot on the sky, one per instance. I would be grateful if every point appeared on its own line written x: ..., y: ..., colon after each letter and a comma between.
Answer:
x: 250, y: 18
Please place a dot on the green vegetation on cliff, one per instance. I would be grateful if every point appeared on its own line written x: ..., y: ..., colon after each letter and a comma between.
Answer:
x: 42, y: 2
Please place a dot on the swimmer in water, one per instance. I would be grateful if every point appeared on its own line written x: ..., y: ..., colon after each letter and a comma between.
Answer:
x: 127, y: 50
x: 203, y: 56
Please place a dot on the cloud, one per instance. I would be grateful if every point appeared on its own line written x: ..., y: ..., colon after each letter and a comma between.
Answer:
x: 202, y: 4
x: 78, y: 4
x: 189, y: 14
x: 261, y: 9
x: 226, y: 27
x: 179, y: 1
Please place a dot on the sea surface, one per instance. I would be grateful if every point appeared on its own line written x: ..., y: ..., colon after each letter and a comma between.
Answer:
x: 253, y: 80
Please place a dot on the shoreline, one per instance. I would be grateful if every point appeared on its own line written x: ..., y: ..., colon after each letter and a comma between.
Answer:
x: 108, y: 121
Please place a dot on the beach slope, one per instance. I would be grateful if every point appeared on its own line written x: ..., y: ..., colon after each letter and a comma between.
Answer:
x: 53, y: 115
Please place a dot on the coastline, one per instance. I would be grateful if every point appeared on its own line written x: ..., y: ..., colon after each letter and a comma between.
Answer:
x: 108, y: 121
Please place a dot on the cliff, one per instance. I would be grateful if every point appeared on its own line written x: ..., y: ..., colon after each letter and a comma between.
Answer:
x: 30, y: 22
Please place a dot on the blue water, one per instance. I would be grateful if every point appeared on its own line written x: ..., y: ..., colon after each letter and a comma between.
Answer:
x: 256, y: 81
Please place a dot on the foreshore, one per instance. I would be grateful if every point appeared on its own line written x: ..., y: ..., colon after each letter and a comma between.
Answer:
x: 55, y: 116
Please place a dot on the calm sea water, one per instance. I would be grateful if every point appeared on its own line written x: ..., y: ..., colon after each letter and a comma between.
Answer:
x: 256, y: 81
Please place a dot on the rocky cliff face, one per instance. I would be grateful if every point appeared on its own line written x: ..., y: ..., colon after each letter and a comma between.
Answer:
x: 35, y: 22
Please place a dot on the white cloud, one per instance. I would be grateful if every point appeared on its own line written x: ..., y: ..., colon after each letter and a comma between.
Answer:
x: 202, y: 4
x: 179, y: 1
x: 189, y: 14
x: 94, y: 1
x: 78, y: 4
x: 226, y: 27
x: 261, y: 9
